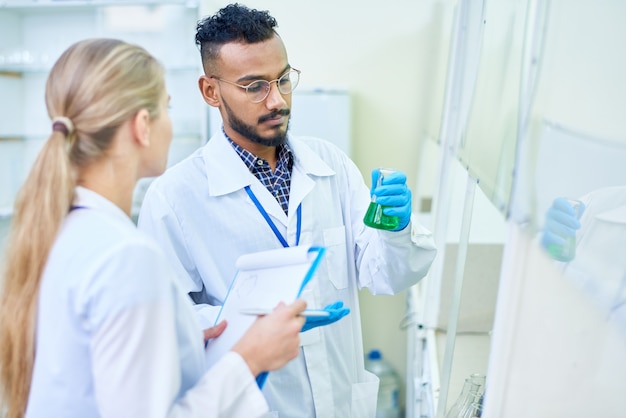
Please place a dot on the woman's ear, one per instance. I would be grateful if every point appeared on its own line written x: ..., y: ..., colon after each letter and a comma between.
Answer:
x: 140, y: 126
x: 208, y: 89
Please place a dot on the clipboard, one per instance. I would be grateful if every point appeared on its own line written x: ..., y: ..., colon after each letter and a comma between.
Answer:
x: 262, y: 280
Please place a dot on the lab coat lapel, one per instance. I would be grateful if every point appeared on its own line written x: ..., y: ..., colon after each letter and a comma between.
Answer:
x: 307, y: 166
x: 269, y: 202
x: 227, y: 173
x: 301, y: 185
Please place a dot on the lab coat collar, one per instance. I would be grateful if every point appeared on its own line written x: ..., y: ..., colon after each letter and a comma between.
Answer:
x: 86, y: 198
x: 227, y: 173
x: 308, y: 161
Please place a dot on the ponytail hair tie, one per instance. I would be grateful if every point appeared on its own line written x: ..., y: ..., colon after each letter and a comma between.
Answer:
x: 63, y: 125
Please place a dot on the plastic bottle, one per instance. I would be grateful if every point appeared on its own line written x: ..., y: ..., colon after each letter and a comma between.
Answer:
x: 389, y: 387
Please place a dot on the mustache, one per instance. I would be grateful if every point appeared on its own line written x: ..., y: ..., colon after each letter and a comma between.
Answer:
x: 281, y: 112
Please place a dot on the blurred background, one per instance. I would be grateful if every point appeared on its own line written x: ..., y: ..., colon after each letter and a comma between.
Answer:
x: 492, y: 108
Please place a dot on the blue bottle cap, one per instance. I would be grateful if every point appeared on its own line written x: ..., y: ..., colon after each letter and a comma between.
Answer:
x: 374, y: 355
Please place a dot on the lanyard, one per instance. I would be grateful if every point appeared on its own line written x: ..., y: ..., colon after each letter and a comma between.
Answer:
x: 271, y: 224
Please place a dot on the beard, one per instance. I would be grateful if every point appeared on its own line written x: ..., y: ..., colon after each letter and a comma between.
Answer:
x: 250, y: 133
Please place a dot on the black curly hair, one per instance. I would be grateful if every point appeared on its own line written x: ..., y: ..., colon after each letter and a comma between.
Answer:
x: 233, y: 23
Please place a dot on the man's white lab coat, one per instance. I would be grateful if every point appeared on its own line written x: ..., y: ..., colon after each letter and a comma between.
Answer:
x: 203, y: 218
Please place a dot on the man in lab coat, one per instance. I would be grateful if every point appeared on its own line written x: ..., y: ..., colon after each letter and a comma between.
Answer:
x: 253, y: 187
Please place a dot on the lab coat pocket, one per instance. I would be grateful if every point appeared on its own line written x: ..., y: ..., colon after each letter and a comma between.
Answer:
x: 364, y: 397
x: 336, y: 260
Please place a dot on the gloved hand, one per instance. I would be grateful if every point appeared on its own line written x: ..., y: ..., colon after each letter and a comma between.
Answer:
x: 561, y: 222
x: 394, y: 194
x: 336, y: 310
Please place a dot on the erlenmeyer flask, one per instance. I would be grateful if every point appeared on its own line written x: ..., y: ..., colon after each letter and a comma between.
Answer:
x: 374, y: 217
x: 473, y: 385
x: 473, y: 409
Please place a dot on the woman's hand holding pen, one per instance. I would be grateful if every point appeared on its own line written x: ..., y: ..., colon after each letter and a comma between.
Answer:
x: 272, y: 340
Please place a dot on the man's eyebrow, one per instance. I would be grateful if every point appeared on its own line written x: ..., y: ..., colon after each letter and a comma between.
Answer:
x: 254, y: 77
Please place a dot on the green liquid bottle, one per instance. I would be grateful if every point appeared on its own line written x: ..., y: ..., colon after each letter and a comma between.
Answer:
x: 565, y: 252
x: 375, y: 218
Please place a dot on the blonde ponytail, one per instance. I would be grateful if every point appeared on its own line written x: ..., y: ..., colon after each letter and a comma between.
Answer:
x: 40, y: 207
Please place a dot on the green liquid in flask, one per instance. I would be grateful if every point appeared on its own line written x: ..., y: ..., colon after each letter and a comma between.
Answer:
x: 375, y: 218
x: 563, y: 253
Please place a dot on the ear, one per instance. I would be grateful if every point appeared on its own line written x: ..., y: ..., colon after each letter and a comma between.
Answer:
x: 208, y: 89
x: 140, y: 126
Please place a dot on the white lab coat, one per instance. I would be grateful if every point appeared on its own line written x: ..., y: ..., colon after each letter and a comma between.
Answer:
x: 115, y: 335
x: 599, y: 266
x: 201, y: 215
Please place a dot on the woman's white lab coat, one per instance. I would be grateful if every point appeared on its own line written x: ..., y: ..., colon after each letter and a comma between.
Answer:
x: 115, y: 335
x: 201, y: 215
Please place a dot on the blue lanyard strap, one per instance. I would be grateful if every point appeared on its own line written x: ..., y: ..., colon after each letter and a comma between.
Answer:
x: 271, y: 224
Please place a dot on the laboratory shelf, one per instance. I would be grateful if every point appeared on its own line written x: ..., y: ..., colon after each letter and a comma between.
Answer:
x: 34, y: 33
x: 18, y: 5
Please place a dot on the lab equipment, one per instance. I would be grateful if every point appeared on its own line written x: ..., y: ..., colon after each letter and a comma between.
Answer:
x: 390, y: 208
x: 375, y: 216
x: 469, y: 402
x: 336, y: 311
x: 562, y: 222
x: 387, y: 405
x: 474, y: 407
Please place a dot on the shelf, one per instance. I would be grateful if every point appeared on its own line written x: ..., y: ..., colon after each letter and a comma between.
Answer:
x: 10, y: 73
x: 20, y: 71
x: 34, y: 33
x: 17, y: 71
x: 12, y: 138
x: 34, y: 4
x: 6, y: 212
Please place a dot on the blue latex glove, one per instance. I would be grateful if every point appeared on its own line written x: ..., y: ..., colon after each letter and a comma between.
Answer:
x: 561, y: 222
x: 336, y: 310
x: 394, y: 194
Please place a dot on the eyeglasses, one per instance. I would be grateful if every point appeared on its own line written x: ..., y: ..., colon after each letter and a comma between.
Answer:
x: 258, y: 90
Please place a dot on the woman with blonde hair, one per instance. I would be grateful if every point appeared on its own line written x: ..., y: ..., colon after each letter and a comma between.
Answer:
x: 92, y: 323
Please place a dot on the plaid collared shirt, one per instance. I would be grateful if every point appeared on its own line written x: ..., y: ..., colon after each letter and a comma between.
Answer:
x: 277, y: 183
